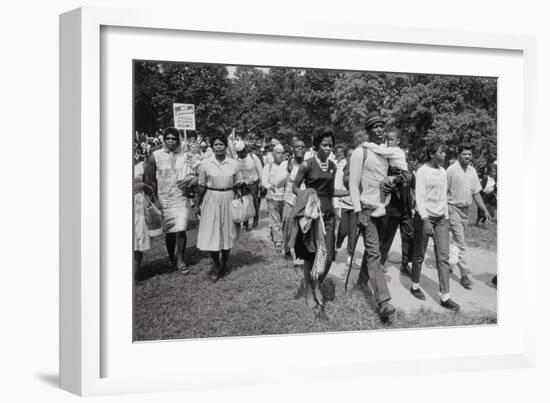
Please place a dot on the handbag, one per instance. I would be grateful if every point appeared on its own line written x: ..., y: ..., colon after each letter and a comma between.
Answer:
x: 242, y: 209
x: 153, y: 217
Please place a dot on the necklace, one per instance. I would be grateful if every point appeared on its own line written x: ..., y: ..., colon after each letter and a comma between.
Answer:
x: 322, y: 165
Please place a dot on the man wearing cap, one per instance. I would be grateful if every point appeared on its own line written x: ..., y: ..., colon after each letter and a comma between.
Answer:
x: 368, y: 171
x: 249, y: 172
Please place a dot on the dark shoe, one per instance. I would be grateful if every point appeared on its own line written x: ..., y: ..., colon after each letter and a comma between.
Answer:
x: 450, y: 304
x: 494, y: 281
x: 418, y: 293
x: 386, y: 310
x: 255, y: 223
x: 215, y: 276
x: 466, y: 282
x: 404, y: 269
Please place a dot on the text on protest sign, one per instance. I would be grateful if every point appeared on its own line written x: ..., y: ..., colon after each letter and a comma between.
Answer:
x: 184, y: 116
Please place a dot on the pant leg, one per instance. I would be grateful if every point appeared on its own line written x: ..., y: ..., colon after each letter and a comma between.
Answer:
x: 406, y: 232
x: 420, y: 242
x: 441, y: 247
x: 457, y: 223
x: 370, y: 267
x: 390, y: 228
x: 287, y: 226
x: 275, y: 218
x: 254, y: 191
x: 343, y: 228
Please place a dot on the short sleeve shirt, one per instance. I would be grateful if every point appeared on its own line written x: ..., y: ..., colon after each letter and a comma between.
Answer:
x: 462, y: 184
x: 218, y: 175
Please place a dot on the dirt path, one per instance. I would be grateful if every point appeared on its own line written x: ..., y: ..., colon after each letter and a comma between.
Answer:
x: 483, y: 294
x: 483, y: 264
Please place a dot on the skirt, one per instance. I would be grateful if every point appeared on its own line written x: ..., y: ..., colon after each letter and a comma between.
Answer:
x: 216, y: 228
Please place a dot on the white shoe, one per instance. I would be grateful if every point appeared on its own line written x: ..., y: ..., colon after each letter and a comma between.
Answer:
x: 379, y: 212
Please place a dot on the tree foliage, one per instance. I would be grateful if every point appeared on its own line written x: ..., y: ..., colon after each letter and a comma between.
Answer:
x: 282, y: 102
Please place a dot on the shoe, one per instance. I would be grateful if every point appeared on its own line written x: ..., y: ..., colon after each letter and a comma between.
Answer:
x: 386, y: 310
x: 494, y: 281
x: 450, y: 304
x: 215, y: 276
x: 255, y: 223
x: 379, y: 212
x: 183, y: 269
x: 298, y: 262
x: 418, y: 293
x: 404, y: 269
x: 384, y: 268
x: 466, y: 282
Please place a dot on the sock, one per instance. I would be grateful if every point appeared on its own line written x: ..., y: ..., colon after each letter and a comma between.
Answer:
x: 415, y: 286
x: 446, y: 296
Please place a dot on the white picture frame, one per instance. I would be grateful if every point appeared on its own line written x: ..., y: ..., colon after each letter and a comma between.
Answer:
x: 84, y: 192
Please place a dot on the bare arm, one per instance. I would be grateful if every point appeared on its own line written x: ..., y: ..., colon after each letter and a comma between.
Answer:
x: 355, y: 170
x: 300, y: 175
x: 150, y: 175
x: 479, y: 201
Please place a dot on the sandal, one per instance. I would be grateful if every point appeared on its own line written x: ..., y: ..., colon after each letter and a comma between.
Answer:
x: 183, y: 269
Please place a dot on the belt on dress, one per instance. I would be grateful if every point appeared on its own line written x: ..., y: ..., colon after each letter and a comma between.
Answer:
x: 219, y: 189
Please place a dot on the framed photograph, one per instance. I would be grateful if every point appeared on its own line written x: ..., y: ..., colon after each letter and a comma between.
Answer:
x: 187, y: 149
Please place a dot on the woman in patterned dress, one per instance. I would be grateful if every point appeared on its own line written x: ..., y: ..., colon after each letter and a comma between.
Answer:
x: 166, y: 170
x: 217, y: 232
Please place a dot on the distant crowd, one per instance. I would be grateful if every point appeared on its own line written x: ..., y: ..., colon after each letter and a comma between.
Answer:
x: 316, y: 198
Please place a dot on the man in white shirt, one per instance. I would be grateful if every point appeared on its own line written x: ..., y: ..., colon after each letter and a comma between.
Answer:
x: 250, y: 173
x: 463, y: 188
x: 368, y: 174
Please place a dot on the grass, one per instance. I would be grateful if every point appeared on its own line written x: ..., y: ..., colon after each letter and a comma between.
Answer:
x: 259, y: 297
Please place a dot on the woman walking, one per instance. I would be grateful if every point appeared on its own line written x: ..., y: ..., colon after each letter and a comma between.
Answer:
x: 274, y: 177
x: 432, y: 220
x: 217, y: 232
x: 317, y: 173
x: 166, y: 169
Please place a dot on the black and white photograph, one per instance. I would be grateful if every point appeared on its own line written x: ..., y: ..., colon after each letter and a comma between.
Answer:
x: 273, y: 201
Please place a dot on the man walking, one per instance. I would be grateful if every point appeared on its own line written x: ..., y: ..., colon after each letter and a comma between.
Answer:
x: 369, y: 170
x: 463, y: 187
x: 249, y: 172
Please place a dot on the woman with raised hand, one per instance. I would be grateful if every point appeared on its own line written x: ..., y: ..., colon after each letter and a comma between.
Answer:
x: 217, y: 180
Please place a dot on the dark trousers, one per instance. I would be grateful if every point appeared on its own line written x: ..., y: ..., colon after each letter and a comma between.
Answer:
x: 372, y: 230
x: 254, y: 191
x: 347, y: 228
x: 441, y: 248
x: 405, y: 224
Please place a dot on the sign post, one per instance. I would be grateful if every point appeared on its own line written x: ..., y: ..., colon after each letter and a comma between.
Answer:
x: 184, y: 118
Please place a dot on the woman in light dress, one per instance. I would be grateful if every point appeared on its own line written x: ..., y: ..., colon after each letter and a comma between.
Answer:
x: 141, y: 231
x: 166, y: 170
x: 217, y: 232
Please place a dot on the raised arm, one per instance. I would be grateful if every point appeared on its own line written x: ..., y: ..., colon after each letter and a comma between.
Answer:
x: 150, y: 175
